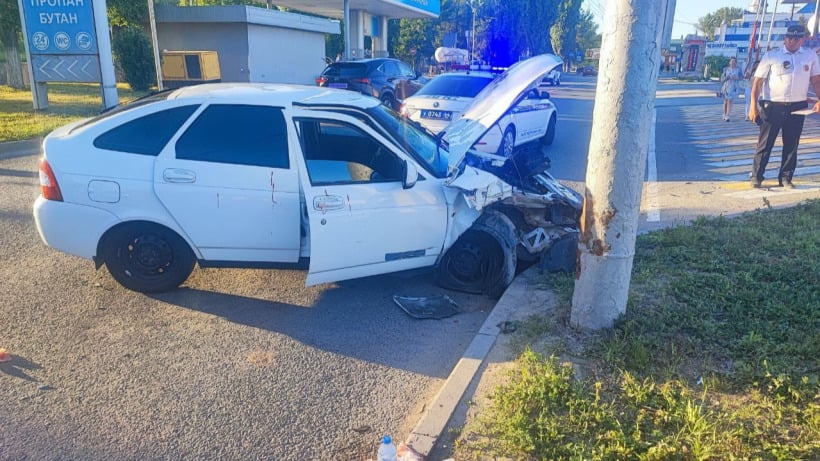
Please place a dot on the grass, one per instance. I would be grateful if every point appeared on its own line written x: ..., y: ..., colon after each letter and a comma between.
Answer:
x: 717, y: 356
x: 66, y: 102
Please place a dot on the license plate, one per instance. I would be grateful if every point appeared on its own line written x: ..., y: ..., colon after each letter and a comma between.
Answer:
x: 338, y: 85
x: 436, y: 114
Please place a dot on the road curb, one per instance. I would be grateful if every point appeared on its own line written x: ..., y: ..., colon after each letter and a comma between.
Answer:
x: 20, y: 148
x: 430, y: 427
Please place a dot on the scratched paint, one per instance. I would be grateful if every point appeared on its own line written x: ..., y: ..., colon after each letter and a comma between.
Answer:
x: 272, y: 190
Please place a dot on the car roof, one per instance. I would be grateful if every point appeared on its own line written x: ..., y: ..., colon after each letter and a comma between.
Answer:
x: 468, y: 73
x: 275, y: 93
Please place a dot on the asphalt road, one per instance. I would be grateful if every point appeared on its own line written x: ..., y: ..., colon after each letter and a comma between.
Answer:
x: 247, y: 364
x: 238, y: 364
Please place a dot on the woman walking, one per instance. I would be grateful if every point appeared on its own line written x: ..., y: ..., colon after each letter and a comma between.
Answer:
x: 729, y: 81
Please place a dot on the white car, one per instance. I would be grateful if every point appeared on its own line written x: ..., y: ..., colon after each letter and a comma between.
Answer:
x: 553, y: 77
x: 265, y: 175
x: 445, y: 98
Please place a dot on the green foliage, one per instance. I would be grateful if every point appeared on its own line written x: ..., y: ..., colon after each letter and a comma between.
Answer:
x: 132, y: 50
x: 709, y: 25
x: 122, y: 13
x: 505, y: 30
x: 716, y: 64
x: 587, y: 35
x: 717, y: 356
x: 9, y: 17
x: 564, y: 30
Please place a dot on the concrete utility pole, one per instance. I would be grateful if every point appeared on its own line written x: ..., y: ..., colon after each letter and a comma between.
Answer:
x: 621, y: 126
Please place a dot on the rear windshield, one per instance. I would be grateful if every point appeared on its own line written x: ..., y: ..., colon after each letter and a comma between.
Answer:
x: 457, y: 85
x: 149, y: 99
x: 345, y: 70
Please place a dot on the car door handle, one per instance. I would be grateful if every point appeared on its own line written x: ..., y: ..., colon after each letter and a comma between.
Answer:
x: 328, y: 202
x: 178, y: 175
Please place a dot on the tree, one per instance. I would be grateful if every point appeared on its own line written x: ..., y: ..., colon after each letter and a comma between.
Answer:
x: 621, y: 125
x: 9, y: 36
x: 564, y: 31
x: 587, y: 35
x: 132, y: 52
x: 710, y: 23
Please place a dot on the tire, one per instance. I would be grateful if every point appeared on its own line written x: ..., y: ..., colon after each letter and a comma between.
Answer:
x: 507, y: 144
x: 388, y: 100
x: 147, y: 257
x: 549, y: 136
x: 473, y: 265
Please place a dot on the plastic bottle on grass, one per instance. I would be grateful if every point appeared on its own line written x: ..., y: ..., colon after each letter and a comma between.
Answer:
x: 387, y: 451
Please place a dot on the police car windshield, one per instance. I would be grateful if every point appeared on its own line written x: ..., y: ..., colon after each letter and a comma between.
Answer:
x: 459, y: 85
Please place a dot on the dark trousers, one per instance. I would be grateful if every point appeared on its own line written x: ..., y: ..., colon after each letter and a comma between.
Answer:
x: 775, y: 116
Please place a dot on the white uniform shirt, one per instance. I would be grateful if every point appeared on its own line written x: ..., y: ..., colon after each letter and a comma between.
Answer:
x: 788, y: 74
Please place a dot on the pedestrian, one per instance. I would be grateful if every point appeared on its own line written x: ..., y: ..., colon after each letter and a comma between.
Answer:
x: 749, y: 78
x: 780, y: 87
x: 730, y: 80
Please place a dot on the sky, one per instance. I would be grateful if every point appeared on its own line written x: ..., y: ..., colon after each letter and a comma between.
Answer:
x: 687, y: 12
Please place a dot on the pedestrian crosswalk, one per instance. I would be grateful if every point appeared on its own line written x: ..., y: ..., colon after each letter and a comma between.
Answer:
x: 727, y: 148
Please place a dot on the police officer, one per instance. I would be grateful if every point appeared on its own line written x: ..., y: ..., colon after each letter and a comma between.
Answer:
x: 781, y: 84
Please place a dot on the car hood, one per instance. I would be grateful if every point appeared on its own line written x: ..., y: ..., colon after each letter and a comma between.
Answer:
x: 493, y: 102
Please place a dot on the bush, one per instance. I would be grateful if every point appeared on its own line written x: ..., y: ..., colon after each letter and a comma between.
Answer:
x: 134, y: 56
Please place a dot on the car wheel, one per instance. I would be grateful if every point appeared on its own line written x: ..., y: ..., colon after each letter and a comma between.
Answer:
x: 147, y: 257
x: 389, y: 101
x: 505, y: 147
x: 549, y: 136
x: 473, y: 265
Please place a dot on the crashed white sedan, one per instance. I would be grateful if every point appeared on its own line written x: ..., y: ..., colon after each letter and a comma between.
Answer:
x: 261, y: 175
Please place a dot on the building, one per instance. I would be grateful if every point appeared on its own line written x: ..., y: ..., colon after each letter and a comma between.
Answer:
x: 253, y: 44
x: 768, y: 29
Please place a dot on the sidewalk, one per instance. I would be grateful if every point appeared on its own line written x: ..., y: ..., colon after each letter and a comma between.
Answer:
x: 484, y: 364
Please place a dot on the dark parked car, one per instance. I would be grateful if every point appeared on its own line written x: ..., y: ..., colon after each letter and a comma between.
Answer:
x: 389, y: 80
x: 587, y: 70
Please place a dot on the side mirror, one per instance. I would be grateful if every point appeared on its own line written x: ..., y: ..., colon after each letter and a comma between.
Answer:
x: 411, y: 174
x: 545, y: 95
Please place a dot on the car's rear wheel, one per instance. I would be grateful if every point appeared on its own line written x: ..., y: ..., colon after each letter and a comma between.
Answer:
x: 147, y: 257
x: 473, y: 264
x: 505, y: 147
x: 549, y: 136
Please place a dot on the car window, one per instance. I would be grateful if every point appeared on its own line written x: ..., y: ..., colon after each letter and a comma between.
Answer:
x: 132, y: 136
x: 463, y: 86
x: 237, y: 134
x: 345, y: 70
x: 339, y: 153
x: 390, y: 69
x: 406, y: 70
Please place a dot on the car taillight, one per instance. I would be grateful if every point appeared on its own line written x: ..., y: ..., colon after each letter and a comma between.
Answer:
x: 321, y: 80
x: 48, y: 183
x: 364, y: 80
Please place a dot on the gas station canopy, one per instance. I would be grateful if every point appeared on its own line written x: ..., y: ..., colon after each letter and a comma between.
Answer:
x: 364, y: 18
x: 411, y: 9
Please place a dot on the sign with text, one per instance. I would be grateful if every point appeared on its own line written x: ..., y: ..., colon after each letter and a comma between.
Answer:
x: 60, y: 27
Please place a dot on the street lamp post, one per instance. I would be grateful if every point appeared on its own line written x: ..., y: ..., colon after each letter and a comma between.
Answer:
x: 472, y: 33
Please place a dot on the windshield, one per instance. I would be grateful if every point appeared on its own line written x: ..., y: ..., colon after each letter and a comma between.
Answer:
x: 419, y: 143
x: 465, y: 86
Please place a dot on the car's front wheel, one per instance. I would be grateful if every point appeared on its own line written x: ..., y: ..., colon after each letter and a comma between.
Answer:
x: 147, y: 257
x: 474, y: 265
x: 507, y: 144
